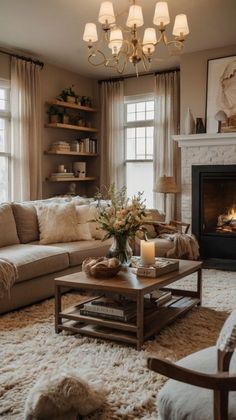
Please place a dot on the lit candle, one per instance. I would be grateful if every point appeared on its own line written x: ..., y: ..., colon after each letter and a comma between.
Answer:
x: 147, y: 252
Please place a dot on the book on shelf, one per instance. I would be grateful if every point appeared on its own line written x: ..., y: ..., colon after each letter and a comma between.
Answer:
x: 160, y: 296
x: 123, y: 318
x: 160, y: 267
x: 109, y: 306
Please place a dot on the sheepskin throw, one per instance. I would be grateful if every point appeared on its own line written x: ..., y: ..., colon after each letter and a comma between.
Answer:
x: 64, y: 395
x: 8, y: 276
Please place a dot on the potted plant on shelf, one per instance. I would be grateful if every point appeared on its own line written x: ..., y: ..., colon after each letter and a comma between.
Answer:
x: 67, y: 95
x: 53, y: 114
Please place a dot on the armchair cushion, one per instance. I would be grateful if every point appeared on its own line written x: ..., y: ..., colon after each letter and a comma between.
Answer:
x: 180, y: 401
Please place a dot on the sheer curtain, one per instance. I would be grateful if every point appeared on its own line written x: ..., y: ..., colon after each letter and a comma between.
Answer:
x: 112, y: 133
x: 26, y: 182
x: 165, y: 157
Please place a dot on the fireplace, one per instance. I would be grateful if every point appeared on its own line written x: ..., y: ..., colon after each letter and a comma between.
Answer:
x: 214, y: 214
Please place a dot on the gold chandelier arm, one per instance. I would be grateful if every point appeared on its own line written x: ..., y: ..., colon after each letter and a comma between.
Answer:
x: 94, y: 55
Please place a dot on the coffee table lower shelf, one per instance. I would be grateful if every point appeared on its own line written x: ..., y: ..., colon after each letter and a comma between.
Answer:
x: 154, y: 321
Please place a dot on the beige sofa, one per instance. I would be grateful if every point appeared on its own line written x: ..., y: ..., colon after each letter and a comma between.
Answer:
x: 37, y: 264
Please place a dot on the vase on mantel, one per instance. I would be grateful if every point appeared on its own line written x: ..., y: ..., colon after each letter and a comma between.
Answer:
x: 121, y: 249
x: 189, y: 123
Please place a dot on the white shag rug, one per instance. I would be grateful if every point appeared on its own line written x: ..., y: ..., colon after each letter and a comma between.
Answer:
x: 29, y: 348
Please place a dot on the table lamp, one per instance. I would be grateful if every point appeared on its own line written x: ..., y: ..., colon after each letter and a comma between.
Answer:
x: 166, y: 185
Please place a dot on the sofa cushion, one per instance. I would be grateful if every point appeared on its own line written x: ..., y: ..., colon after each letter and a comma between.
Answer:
x: 179, y: 401
x: 78, y: 251
x: 8, y: 232
x: 83, y: 225
x: 35, y: 260
x: 58, y: 223
x: 26, y: 222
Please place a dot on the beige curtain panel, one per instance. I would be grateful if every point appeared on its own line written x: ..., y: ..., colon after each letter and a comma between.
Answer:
x: 165, y: 154
x: 112, y: 133
x: 26, y: 130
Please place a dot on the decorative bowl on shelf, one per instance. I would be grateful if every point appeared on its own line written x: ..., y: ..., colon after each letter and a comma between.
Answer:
x: 101, y: 267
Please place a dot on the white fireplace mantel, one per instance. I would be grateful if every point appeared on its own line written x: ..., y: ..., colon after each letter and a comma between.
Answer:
x: 196, y: 140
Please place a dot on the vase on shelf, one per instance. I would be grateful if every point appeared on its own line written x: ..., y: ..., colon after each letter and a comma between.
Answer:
x: 189, y: 123
x: 121, y: 249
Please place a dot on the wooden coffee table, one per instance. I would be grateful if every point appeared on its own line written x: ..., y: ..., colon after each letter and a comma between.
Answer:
x: 126, y: 283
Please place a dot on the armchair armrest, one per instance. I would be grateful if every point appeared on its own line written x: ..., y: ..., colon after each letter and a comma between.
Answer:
x: 218, y: 382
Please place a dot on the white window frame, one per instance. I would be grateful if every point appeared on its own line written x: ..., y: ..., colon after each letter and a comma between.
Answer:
x: 7, y: 116
x: 134, y: 124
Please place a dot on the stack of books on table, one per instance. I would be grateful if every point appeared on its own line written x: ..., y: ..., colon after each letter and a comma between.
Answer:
x: 160, y: 267
x: 160, y: 297
x: 61, y: 176
x: 105, y: 307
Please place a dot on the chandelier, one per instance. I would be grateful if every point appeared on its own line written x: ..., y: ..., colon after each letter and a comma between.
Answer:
x: 119, y: 46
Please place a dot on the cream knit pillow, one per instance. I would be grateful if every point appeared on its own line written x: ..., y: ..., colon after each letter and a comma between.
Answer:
x: 58, y: 223
x: 83, y: 225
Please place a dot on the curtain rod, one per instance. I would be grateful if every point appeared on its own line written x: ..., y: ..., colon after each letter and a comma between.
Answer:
x: 130, y: 76
x: 22, y: 57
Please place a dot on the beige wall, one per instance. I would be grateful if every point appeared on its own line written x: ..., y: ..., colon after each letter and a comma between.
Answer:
x: 193, y: 79
x: 55, y: 79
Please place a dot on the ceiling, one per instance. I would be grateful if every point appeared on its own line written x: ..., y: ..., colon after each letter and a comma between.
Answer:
x: 52, y: 30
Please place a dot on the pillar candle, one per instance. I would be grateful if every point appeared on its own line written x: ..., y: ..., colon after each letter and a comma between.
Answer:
x: 147, y: 252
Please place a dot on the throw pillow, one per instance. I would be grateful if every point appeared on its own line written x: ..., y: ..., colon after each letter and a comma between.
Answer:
x: 26, y: 222
x: 95, y: 229
x: 8, y: 235
x: 83, y: 225
x: 58, y: 223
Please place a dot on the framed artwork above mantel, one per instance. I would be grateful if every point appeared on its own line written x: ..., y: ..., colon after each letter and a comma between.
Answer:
x: 221, y: 95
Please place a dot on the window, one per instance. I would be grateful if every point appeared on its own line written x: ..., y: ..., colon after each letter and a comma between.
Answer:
x: 139, y: 130
x: 4, y: 140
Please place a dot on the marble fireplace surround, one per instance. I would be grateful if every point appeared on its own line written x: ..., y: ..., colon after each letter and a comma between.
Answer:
x: 202, y: 149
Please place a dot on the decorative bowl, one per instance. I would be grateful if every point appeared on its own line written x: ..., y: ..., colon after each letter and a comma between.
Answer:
x: 101, y: 267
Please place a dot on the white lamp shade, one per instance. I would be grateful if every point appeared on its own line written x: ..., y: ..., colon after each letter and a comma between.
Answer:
x: 116, y: 40
x: 106, y: 13
x: 149, y: 36
x: 135, y: 16
x: 90, y: 33
x: 161, y: 15
x: 181, y: 25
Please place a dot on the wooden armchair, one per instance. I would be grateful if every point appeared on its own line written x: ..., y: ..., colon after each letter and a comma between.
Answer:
x: 213, y: 369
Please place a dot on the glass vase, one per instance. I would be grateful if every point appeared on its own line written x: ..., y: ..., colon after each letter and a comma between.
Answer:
x: 121, y: 249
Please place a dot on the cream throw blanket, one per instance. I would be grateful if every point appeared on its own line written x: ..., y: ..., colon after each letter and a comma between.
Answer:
x: 184, y: 245
x: 8, y: 275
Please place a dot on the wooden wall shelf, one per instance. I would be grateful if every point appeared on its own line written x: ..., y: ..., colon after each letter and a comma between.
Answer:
x: 50, y: 152
x: 72, y: 106
x: 73, y: 179
x: 71, y: 127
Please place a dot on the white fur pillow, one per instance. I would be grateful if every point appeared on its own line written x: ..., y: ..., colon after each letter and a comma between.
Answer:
x: 58, y: 223
x: 83, y: 226
x: 62, y: 396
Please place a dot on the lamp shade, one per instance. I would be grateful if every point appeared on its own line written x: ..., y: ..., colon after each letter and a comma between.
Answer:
x: 166, y: 184
x: 135, y: 16
x: 181, y: 25
x: 149, y: 36
x: 161, y: 15
x: 90, y: 33
x: 106, y: 13
x: 116, y: 40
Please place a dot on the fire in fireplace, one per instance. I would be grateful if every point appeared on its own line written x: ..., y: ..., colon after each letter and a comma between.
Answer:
x: 227, y: 221
x: 214, y: 213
